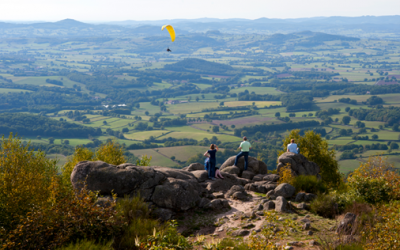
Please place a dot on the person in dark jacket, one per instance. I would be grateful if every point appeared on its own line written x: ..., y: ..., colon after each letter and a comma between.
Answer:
x: 211, y: 154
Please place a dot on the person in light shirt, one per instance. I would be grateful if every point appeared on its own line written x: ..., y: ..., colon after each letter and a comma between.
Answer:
x: 245, y: 147
x: 292, y: 147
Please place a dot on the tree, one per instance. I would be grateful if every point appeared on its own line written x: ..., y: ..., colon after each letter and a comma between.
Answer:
x: 259, y: 135
x: 343, y: 132
x: 137, y: 105
x: 221, y: 104
x: 243, y: 133
x: 125, y: 130
x: 39, y: 137
x: 346, y: 120
x: 310, y: 114
x: 146, y: 112
x: 233, y: 126
x: 374, y: 136
x: 292, y: 115
x: 396, y: 127
x: 197, y: 98
x: 316, y: 149
x: 277, y: 114
x: 66, y: 142
x: 215, y: 129
x: 347, y: 109
x: 105, y: 122
x: 394, y: 145
x: 51, y: 140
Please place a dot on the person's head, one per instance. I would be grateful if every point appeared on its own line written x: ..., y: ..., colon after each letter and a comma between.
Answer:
x: 245, y: 138
x: 292, y: 141
x: 212, y: 146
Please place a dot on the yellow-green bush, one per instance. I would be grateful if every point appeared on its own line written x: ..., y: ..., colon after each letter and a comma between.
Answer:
x: 309, y: 184
x: 315, y: 148
x: 110, y: 152
x: 25, y: 180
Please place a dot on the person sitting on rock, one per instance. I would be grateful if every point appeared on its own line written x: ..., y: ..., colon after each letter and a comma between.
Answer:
x: 211, y: 154
x: 245, y: 147
x: 292, y: 147
x: 218, y: 174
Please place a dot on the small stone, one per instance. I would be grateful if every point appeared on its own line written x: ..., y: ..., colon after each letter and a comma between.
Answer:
x: 259, y: 207
x: 215, y: 234
x: 288, y: 248
x: 307, y: 216
x: 241, y: 233
x: 276, y: 229
x: 278, y: 244
x: 294, y: 218
x: 311, y: 243
x: 257, y: 230
x: 292, y: 230
x: 220, y: 229
x: 247, y: 226
x: 306, y: 226
x: 281, y: 219
x: 305, y: 220
x: 293, y: 243
x: 260, y: 213
x: 310, y: 233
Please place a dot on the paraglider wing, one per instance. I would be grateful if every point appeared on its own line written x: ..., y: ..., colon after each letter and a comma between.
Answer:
x: 171, y: 31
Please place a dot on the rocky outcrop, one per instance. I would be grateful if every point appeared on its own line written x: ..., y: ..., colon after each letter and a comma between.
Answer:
x: 171, y: 189
x: 237, y: 192
x: 299, y: 164
x: 165, y: 187
x: 260, y: 186
x: 194, y: 167
x: 255, y: 166
x: 347, y: 225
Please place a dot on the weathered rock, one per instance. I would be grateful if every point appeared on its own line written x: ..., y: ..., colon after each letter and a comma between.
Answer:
x: 281, y: 205
x: 247, y: 174
x: 241, y: 232
x: 271, y: 177
x: 218, y: 204
x: 231, y: 170
x: 218, y: 195
x: 204, y: 202
x: 271, y: 194
x: 225, y: 184
x: 194, y: 167
x: 302, y: 206
x: 269, y: 205
x: 248, y: 225
x: 347, y: 224
x: 260, y: 187
x: 259, y: 207
x: 307, y: 226
x: 258, y: 177
x: 286, y: 190
x: 240, y: 196
x: 177, y: 194
x: 163, y: 214
x: 299, y: 164
x: 237, y: 192
x: 254, y: 165
x: 201, y: 175
x: 309, y: 197
x: 309, y: 233
x: 300, y: 197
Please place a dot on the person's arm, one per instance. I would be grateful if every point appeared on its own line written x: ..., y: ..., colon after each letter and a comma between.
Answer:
x: 206, y: 154
x: 216, y: 147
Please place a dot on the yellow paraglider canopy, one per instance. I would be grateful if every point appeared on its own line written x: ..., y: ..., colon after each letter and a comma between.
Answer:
x: 171, y: 31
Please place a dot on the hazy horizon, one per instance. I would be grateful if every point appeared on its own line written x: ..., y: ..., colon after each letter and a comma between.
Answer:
x: 152, y: 10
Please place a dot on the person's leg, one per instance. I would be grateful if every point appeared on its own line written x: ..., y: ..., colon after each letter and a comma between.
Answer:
x: 237, y: 158
x: 212, y: 167
x: 246, y: 159
x: 218, y: 174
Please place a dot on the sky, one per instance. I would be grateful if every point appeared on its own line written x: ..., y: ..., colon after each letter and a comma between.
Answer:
x: 120, y: 10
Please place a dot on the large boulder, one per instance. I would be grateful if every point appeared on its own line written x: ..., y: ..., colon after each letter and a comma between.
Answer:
x: 285, y: 190
x: 254, y: 165
x: 299, y: 164
x: 260, y: 187
x: 237, y: 192
x: 201, y: 175
x: 223, y: 185
x: 194, y: 167
x: 169, y: 188
x: 231, y: 170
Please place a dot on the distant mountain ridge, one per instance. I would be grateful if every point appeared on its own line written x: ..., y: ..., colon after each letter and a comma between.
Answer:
x: 363, y: 26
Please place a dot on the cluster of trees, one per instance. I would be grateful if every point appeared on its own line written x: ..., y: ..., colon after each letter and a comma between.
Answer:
x: 348, y: 100
x: 55, y: 82
x: 34, y: 125
x: 390, y: 115
x: 264, y: 128
x: 231, y: 115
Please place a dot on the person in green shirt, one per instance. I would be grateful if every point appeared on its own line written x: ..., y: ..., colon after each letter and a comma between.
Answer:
x: 245, y: 147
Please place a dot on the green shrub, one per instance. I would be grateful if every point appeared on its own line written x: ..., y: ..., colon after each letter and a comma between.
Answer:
x: 232, y: 244
x: 87, y: 245
x: 325, y: 205
x: 134, y: 214
x: 309, y: 184
x: 372, y: 190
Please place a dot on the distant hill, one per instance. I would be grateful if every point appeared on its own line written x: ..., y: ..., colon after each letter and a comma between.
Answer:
x: 199, y: 66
